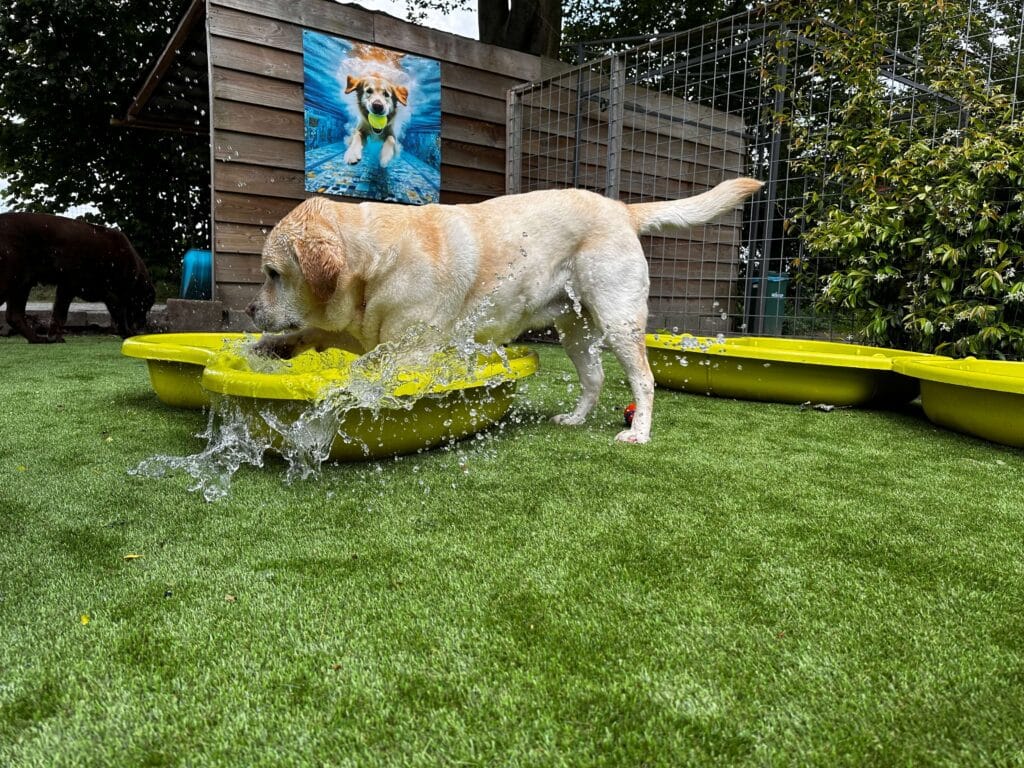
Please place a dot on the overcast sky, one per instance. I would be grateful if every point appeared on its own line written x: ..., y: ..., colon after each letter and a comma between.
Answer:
x: 460, y: 22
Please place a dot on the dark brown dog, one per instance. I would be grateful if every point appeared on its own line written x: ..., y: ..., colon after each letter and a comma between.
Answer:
x: 83, y: 260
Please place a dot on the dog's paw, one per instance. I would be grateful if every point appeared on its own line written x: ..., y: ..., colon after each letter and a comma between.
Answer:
x: 353, y: 155
x: 282, y: 347
x: 632, y: 437
x: 568, y: 419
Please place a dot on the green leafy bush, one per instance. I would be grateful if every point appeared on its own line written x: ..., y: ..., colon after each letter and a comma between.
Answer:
x: 918, y: 230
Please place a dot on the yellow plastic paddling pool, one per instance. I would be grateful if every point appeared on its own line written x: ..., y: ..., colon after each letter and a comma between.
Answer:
x: 176, y: 362
x: 984, y: 398
x: 380, y: 412
x: 781, y: 370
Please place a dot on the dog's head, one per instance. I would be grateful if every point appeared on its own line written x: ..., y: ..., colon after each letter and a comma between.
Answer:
x: 140, y: 301
x: 378, y: 99
x: 129, y: 304
x: 305, y: 276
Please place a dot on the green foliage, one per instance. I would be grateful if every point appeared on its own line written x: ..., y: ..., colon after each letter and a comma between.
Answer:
x: 589, y: 21
x: 918, y: 230
x: 66, y: 68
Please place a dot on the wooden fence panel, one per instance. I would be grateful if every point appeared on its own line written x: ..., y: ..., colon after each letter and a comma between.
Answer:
x: 652, y: 146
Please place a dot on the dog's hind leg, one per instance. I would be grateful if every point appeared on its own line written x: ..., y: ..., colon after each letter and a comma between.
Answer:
x: 582, y: 342
x: 615, y: 287
x: 626, y: 340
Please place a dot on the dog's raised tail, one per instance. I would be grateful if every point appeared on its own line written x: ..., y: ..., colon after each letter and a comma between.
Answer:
x: 676, y: 215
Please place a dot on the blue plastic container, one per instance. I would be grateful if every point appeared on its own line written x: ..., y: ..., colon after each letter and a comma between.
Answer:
x: 773, y: 302
x: 197, y: 275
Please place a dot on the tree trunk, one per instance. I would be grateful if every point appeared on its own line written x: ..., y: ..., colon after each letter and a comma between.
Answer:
x: 531, y: 26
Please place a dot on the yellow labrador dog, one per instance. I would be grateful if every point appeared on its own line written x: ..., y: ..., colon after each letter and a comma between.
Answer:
x: 354, y: 275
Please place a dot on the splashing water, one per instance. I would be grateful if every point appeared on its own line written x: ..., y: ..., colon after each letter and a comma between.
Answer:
x: 230, y: 444
x: 303, y: 432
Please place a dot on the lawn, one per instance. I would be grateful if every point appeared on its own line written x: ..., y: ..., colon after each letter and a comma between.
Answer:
x: 761, y: 585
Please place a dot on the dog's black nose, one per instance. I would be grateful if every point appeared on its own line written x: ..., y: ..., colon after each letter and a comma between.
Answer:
x: 377, y: 108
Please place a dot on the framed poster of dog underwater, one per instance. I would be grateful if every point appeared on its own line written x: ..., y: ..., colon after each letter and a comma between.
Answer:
x: 372, y: 120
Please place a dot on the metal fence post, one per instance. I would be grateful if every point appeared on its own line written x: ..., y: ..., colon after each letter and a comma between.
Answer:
x: 513, y: 142
x: 616, y: 111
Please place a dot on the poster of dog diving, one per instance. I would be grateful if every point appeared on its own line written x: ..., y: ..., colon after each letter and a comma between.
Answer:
x: 372, y: 120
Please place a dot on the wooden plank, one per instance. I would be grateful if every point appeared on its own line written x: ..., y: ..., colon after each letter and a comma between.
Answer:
x: 476, y: 132
x: 255, y: 59
x: 233, y: 238
x: 242, y: 178
x: 715, y: 296
x: 719, y: 234
x: 690, y: 306
x: 251, y: 209
x: 341, y: 19
x: 454, y: 197
x: 712, y: 274
x: 472, y: 181
x: 271, y: 32
x: 263, y: 121
x: 238, y: 268
x: 231, y: 146
x: 660, y: 147
x: 680, y: 317
x: 465, y: 155
x: 463, y: 78
x: 694, y: 260
x: 472, y: 105
x: 253, y: 89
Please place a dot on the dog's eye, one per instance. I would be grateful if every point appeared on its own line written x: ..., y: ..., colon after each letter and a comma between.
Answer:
x: 272, y: 273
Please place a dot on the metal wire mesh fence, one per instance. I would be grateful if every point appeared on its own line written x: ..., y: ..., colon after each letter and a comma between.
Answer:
x: 747, y: 95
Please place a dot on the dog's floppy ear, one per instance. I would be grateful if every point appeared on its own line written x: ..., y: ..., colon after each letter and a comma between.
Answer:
x: 402, y: 94
x: 321, y: 263
x: 352, y: 83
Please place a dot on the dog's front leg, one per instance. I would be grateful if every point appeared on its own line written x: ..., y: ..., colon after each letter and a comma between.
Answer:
x: 289, y: 345
x: 59, y: 314
x: 354, y: 153
x: 388, y: 152
x: 17, y: 319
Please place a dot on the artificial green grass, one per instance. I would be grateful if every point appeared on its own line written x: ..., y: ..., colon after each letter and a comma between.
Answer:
x: 761, y: 585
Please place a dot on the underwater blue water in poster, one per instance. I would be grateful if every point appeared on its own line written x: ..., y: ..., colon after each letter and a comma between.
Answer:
x: 372, y: 121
